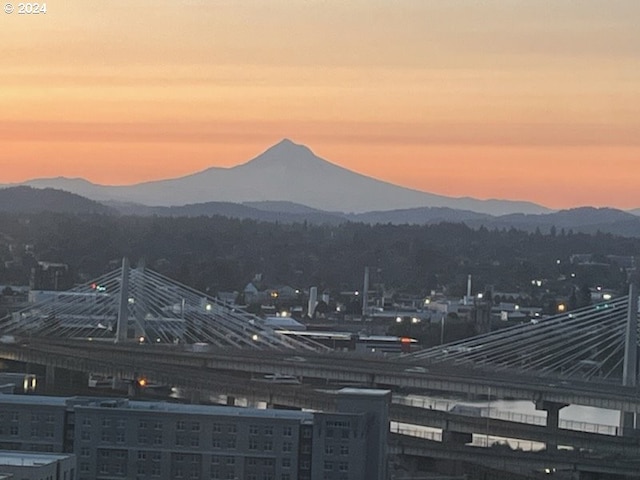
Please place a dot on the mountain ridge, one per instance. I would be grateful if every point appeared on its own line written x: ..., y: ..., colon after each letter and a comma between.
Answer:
x: 286, y: 171
x: 25, y: 200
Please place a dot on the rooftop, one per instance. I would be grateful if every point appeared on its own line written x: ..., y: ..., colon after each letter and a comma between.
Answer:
x: 28, y: 459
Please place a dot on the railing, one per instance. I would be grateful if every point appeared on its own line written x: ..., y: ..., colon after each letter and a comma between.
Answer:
x: 483, y: 411
x: 413, y: 431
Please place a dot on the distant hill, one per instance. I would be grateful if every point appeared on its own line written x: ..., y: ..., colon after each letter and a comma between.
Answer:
x: 291, y: 213
x: 33, y: 200
x: 420, y: 216
x: 289, y: 173
x: 583, y: 219
x: 586, y: 219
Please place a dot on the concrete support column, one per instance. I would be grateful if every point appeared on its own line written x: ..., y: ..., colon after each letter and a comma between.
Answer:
x: 123, y: 306
x: 132, y: 388
x: 553, y: 420
x: 195, y: 397
x: 49, y: 376
x: 630, y: 365
x: 458, y: 438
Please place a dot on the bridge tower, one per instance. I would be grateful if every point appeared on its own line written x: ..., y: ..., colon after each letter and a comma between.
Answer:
x: 630, y: 365
x: 123, y: 305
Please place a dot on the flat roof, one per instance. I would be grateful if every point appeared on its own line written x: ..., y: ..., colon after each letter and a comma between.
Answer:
x: 29, y: 459
x: 40, y: 400
x: 364, y: 391
x: 217, y: 410
x: 123, y: 404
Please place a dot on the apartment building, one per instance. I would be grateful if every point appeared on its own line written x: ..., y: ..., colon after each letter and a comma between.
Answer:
x: 125, y: 439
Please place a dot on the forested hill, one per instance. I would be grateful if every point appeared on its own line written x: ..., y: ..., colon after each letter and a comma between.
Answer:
x: 33, y: 200
x: 217, y: 253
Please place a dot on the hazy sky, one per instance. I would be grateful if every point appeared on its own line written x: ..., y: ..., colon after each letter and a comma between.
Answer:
x: 521, y: 99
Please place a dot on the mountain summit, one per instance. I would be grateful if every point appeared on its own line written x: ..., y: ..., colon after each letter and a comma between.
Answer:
x: 286, y: 172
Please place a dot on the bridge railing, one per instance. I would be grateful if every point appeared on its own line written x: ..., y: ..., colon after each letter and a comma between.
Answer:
x: 414, y: 431
x: 517, y: 417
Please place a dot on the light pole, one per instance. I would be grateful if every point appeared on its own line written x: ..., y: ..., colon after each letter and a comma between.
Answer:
x: 442, y: 330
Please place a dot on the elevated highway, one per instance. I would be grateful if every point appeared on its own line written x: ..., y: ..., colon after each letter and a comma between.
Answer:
x: 329, y: 368
x: 230, y: 372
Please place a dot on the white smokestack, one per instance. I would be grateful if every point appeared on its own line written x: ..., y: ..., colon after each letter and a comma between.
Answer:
x: 313, y: 301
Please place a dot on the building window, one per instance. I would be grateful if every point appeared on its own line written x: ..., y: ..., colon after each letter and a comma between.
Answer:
x: 84, y: 467
x: 328, y: 466
x: 85, y: 435
x: 215, y: 460
x: 86, y: 422
x: 268, y: 430
x: 158, y: 425
x: 142, y: 455
x: 121, y: 423
x: 253, y: 429
x: 85, y: 452
x: 157, y: 439
x: 216, y: 443
x: 232, y: 429
x: 195, y: 441
x: 286, y: 462
x: 120, y: 437
x: 253, y: 444
x: 268, y: 446
x: 344, y: 449
x: 156, y: 456
x: 343, y: 467
x: 106, y: 422
x: 195, y: 427
x: 180, y: 425
x: 287, y: 431
x: 142, y: 424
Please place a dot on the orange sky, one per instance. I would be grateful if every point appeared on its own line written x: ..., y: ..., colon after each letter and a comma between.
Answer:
x: 509, y: 99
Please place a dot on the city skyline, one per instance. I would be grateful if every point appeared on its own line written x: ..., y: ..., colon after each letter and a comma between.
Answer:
x: 512, y: 100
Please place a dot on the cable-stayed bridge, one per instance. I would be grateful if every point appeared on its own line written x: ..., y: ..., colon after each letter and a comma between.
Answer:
x: 139, y: 304
x: 586, y: 357
x: 588, y: 344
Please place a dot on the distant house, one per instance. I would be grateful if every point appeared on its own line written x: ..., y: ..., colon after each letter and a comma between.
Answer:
x: 251, y: 293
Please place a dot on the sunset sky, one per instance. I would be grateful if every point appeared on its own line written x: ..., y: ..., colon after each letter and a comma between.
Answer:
x: 518, y: 99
